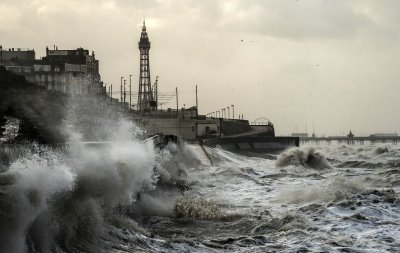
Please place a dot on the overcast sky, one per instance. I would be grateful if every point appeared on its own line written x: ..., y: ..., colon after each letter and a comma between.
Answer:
x: 331, y: 64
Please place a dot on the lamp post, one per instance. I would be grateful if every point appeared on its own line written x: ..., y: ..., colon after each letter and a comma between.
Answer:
x: 197, y: 105
x: 121, y: 91
x: 229, y: 112
x: 124, y: 92
x: 130, y: 92
x: 233, y: 111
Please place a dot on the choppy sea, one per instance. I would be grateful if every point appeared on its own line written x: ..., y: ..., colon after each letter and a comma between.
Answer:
x: 127, y: 196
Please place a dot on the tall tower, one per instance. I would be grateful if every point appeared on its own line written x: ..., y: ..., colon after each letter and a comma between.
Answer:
x: 146, y: 101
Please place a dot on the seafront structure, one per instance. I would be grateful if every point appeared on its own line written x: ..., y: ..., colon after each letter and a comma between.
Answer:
x: 72, y: 72
x: 350, y: 138
x: 184, y: 122
x: 146, y: 96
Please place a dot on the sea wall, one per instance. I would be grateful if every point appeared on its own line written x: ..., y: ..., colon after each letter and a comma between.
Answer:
x: 186, y: 128
x: 232, y: 127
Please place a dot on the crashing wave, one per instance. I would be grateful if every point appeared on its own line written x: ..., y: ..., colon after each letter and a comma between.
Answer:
x: 381, y: 150
x: 306, y: 157
x: 198, y: 208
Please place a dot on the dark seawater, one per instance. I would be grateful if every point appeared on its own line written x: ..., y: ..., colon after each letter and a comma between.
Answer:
x: 127, y: 196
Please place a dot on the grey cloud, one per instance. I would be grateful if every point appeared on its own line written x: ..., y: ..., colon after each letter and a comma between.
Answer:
x: 296, y: 20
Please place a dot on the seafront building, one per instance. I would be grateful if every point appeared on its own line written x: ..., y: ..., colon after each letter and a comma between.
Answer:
x: 72, y: 72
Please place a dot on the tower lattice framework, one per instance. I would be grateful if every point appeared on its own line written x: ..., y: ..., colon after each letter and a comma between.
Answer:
x: 146, y: 101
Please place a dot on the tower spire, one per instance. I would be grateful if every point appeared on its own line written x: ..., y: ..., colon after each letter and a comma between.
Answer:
x: 145, y: 101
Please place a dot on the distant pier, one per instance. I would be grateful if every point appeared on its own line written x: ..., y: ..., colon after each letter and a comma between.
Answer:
x: 350, y: 140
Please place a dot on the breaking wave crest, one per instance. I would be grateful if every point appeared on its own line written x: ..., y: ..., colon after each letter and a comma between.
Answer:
x: 306, y: 157
x: 26, y: 190
x: 381, y: 150
x: 198, y: 208
x: 335, y: 189
x: 51, y: 202
x: 288, y: 222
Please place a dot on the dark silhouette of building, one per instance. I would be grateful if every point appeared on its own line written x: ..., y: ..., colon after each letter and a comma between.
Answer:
x: 146, y: 98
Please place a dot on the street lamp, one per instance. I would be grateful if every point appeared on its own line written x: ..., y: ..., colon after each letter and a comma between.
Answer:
x: 229, y: 112
x: 124, y: 92
x: 130, y: 92
x: 121, y: 90
x: 233, y: 111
